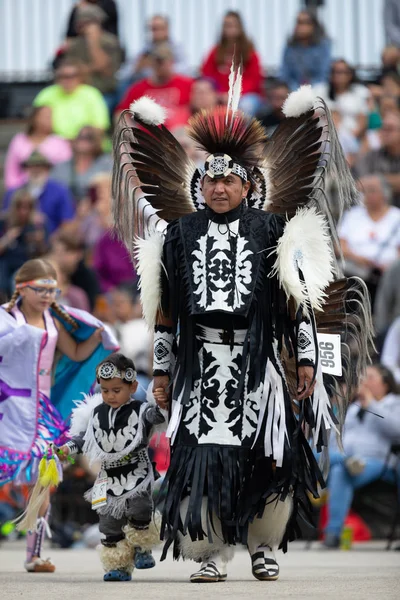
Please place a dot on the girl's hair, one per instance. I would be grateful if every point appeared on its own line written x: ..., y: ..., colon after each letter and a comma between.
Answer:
x: 243, y: 45
x: 121, y: 361
x: 318, y: 33
x: 387, y: 378
x: 21, y: 195
x: 30, y: 127
x: 39, y: 268
x: 332, y: 93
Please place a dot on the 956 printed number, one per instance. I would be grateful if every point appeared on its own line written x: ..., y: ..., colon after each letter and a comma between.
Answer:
x: 327, y: 356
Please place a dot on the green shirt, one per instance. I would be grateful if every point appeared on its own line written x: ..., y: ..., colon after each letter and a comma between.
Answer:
x: 84, y: 106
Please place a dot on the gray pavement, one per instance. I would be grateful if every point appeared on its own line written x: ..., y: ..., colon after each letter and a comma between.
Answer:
x: 366, y: 572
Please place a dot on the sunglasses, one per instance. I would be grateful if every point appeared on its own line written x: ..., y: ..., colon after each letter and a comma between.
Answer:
x: 67, y: 76
x: 304, y: 22
x: 43, y: 291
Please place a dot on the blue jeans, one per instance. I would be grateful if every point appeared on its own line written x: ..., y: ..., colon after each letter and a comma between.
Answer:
x: 341, y: 486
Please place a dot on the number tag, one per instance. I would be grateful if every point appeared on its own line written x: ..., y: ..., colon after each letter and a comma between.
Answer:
x: 330, y: 353
x: 99, y: 491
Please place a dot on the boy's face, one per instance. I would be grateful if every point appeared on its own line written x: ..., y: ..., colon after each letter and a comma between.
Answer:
x: 116, y: 392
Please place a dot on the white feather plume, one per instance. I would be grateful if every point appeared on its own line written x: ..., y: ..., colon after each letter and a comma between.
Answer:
x: 148, y: 111
x: 305, y: 244
x: 81, y: 414
x: 235, y: 89
x: 148, y: 253
x: 299, y: 102
x: 230, y: 90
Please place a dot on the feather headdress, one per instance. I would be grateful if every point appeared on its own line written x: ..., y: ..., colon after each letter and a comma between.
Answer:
x: 229, y: 132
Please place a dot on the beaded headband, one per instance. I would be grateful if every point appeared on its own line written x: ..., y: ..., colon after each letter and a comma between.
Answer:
x: 221, y: 165
x: 108, y: 370
x: 52, y: 282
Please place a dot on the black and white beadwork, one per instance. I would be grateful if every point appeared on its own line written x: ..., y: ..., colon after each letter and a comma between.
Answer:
x: 221, y: 165
x: 163, y: 340
x: 108, y: 370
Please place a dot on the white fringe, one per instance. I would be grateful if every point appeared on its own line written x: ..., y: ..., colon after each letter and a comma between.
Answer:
x: 305, y: 244
x: 80, y: 417
x: 148, y: 253
x: 116, y: 506
x: 321, y: 405
x: 299, y: 102
x: 148, y: 111
x: 93, y: 451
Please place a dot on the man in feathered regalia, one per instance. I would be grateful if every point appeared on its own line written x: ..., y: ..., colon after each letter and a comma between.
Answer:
x: 238, y: 278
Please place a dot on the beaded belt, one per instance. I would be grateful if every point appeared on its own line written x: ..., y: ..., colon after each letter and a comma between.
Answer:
x: 220, y: 336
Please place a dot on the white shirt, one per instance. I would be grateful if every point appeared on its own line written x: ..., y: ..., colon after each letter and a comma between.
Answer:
x: 391, y: 349
x: 349, y: 104
x: 376, y: 240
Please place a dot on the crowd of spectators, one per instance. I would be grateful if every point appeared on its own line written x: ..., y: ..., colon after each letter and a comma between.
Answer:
x: 57, y: 172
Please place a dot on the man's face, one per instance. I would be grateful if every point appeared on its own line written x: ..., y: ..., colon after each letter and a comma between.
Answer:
x: 391, y: 131
x: 277, y: 98
x: 68, y: 78
x: 158, y: 30
x: 163, y: 68
x: 202, y: 95
x: 225, y: 193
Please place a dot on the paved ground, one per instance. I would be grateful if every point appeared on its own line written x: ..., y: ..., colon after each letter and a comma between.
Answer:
x: 368, y: 572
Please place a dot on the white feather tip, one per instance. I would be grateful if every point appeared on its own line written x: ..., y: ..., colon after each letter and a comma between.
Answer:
x: 148, y: 111
x: 299, y: 102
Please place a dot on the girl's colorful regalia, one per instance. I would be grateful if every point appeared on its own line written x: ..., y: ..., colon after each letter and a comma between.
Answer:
x: 36, y: 391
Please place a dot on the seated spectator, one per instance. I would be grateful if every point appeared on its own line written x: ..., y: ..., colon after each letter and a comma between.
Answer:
x: 74, y: 104
x: 391, y: 349
x: 387, y: 303
x: 385, y: 160
x: 132, y: 333
x: 370, y: 234
x: 307, y: 55
x: 111, y: 260
x: 110, y: 23
x: 94, y: 210
x: 66, y: 252
x: 203, y: 96
x: 38, y: 136
x: 391, y: 18
x: 380, y: 108
x: 234, y: 41
x: 141, y: 66
x: 98, y: 50
x: 87, y: 160
x: 167, y: 88
x: 53, y: 199
x: 83, y: 277
x: 273, y: 116
x: 347, y: 99
x: 367, y: 439
x: 22, y: 237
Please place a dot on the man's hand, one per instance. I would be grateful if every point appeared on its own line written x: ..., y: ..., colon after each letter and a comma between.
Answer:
x: 364, y: 395
x: 305, y: 376
x: 93, y: 32
x: 161, y: 391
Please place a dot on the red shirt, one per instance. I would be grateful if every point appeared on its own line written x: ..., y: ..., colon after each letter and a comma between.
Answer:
x: 174, y: 93
x: 252, y: 76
